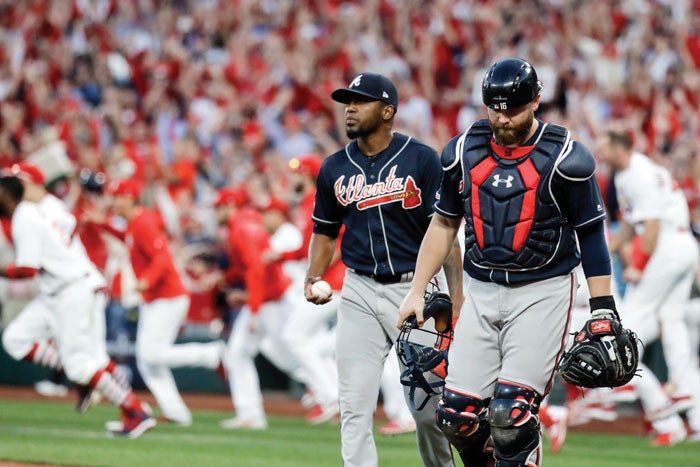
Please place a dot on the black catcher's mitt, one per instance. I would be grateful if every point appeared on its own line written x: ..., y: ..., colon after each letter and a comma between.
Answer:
x: 604, y: 354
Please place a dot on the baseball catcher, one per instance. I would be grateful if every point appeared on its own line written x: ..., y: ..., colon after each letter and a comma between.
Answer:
x: 604, y: 353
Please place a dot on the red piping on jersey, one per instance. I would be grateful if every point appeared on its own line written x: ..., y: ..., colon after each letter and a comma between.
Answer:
x: 478, y: 175
x: 531, y: 178
x: 510, y: 153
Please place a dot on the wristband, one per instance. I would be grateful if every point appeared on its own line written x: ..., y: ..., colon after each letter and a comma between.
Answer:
x: 640, y: 258
x: 606, y: 302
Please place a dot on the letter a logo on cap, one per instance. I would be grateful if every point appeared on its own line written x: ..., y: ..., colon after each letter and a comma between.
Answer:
x: 356, y: 82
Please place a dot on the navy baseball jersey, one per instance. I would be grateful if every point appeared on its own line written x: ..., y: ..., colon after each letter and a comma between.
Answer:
x: 522, y: 206
x: 385, y: 202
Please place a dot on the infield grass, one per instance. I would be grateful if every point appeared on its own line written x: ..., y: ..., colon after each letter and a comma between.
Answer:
x: 52, y: 433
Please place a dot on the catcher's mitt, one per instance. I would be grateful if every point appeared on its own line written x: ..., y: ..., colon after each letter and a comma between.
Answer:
x: 604, y: 354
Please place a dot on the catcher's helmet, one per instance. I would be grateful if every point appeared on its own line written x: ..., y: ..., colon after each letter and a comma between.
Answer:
x: 424, y: 350
x: 509, y: 84
x: 92, y: 181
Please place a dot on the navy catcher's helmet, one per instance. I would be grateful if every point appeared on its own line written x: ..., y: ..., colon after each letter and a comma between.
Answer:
x: 509, y: 84
x: 92, y: 181
x: 424, y: 350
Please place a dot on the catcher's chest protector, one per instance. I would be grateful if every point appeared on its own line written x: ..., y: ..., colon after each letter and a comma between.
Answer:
x: 512, y: 221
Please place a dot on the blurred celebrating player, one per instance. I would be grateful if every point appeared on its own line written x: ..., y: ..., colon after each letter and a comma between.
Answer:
x: 71, y: 290
x: 164, y: 307
x: 266, y: 304
x: 660, y: 277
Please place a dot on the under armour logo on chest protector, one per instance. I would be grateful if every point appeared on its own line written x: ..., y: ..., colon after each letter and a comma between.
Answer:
x: 497, y: 179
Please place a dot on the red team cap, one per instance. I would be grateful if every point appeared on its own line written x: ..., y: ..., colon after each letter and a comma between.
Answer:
x: 28, y: 173
x: 309, y: 165
x: 125, y: 188
x: 230, y: 197
x: 277, y: 204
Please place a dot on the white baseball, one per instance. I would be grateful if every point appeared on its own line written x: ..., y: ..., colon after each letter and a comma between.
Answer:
x: 321, y: 289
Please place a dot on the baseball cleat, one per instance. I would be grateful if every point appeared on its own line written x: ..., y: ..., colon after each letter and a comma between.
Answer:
x: 238, y: 423
x: 669, y: 438
x: 118, y: 425
x: 87, y: 397
x: 322, y: 413
x: 133, y: 424
x: 398, y: 427
x: 50, y: 389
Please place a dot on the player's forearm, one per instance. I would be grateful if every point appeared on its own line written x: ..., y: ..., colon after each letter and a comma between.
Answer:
x: 625, y: 233
x: 437, y: 244
x: 321, y: 251
x: 454, y: 275
x: 599, y: 286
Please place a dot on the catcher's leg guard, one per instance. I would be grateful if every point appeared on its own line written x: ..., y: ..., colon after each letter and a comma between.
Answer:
x: 462, y: 418
x: 515, y: 427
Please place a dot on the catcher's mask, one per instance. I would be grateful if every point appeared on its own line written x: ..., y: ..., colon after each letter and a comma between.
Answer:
x: 423, y: 350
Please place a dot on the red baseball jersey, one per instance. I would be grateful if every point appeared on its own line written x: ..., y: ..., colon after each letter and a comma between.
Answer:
x: 247, y: 241
x: 151, y: 257
x: 91, y: 235
x: 336, y: 272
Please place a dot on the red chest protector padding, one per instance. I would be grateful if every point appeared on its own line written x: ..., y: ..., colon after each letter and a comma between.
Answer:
x: 514, y: 222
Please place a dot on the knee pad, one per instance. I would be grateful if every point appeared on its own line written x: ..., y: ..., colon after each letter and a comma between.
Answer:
x: 462, y: 419
x: 515, y: 426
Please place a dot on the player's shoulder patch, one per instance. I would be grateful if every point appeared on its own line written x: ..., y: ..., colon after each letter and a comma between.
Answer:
x: 576, y: 163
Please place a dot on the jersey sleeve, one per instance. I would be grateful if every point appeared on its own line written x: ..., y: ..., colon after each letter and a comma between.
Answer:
x: 433, y: 178
x: 328, y: 214
x: 154, y: 244
x: 449, y: 201
x: 579, y: 198
x: 27, y: 232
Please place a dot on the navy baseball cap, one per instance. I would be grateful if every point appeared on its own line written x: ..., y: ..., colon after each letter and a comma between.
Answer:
x: 372, y: 85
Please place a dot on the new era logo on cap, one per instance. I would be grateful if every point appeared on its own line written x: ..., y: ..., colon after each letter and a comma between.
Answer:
x: 369, y: 85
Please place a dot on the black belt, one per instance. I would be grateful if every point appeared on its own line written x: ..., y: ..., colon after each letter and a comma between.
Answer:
x: 387, y: 278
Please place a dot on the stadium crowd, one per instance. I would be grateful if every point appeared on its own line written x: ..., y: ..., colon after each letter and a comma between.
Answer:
x: 202, y: 103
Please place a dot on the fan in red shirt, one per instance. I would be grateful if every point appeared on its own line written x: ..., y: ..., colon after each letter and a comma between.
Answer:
x: 266, y: 306
x: 164, y: 307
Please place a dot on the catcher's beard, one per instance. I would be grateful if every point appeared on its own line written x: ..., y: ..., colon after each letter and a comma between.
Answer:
x: 512, y: 135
